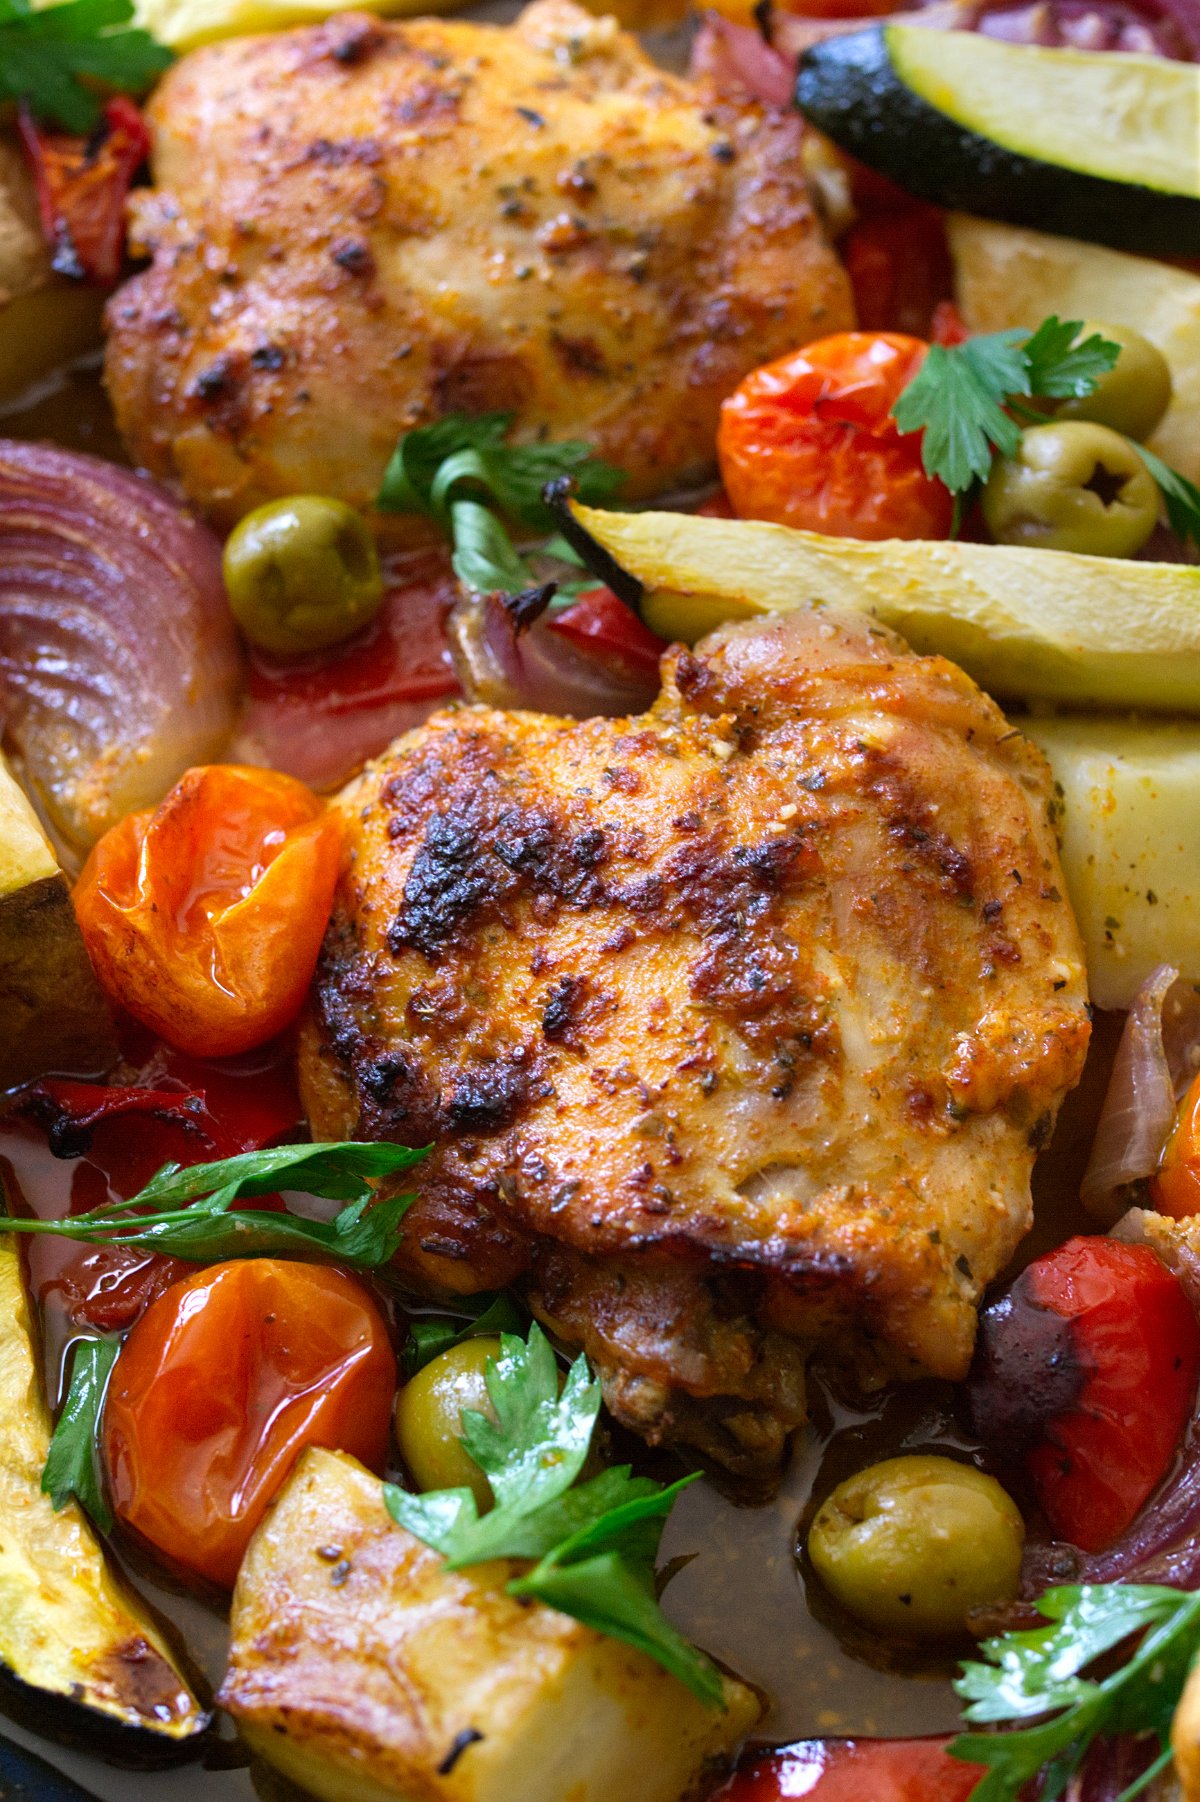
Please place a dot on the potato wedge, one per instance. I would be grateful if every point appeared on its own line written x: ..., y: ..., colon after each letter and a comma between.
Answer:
x: 68, y: 1634
x: 1007, y: 276
x: 1130, y: 844
x: 1038, y: 625
x: 44, y: 319
x: 365, y: 1670
x: 52, y: 1013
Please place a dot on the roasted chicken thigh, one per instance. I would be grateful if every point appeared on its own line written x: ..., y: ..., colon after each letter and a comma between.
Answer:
x: 359, y: 227
x: 735, y: 1027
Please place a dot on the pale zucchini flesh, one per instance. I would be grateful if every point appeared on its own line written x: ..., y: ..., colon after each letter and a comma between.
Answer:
x: 1007, y: 276
x: 1028, y: 625
x: 67, y: 1630
x: 1128, y: 119
x: 379, y: 1676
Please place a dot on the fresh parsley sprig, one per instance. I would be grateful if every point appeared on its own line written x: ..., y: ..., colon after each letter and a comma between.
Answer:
x: 72, y: 1468
x: 55, y: 58
x: 463, y: 473
x: 187, y: 1212
x: 481, y: 1317
x: 966, y: 398
x: 593, y: 1543
x: 1037, y: 1676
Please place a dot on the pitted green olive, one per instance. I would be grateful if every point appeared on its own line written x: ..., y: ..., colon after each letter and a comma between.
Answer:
x: 1072, y: 486
x: 912, y: 1545
x: 429, y: 1418
x: 302, y: 574
x: 1134, y: 394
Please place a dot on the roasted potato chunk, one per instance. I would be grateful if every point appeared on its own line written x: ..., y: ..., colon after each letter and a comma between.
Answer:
x: 366, y: 1671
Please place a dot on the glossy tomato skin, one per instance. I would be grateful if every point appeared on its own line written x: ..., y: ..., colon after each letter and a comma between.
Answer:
x: 204, y: 916
x: 602, y: 625
x: 1087, y: 1369
x: 219, y: 1387
x: 847, y: 1770
x: 809, y: 441
x: 899, y: 266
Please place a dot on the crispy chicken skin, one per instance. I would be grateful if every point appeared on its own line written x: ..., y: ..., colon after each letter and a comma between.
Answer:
x: 359, y: 227
x: 735, y: 1026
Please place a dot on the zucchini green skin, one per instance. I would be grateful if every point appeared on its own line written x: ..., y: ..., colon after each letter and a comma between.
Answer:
x: 849, y: 88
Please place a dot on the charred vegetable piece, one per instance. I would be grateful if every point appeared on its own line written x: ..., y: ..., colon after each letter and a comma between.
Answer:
x: 1086, y: 1369
x: 112, y: 618
x: 219, y: 1387
x: 362, y: 1666
x: 77, y: 1653
x: 1081, y: 142
x: 83, y: 184
x: 1031, y: 624
x: 45, y: 319
x: 52, y: 1013
x: 204, y: 916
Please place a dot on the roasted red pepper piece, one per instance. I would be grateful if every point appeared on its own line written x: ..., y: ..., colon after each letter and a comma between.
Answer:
x: 78, y: 1145
x: 1086, y: 1370
x: 849, y: 1770
x: 82, y: 185
x: 601, y: 624
x: 899, y: 267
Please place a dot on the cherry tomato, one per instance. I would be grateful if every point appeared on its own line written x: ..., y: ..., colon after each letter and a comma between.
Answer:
x: 1087, y: 1370
x: 604, y: 626
x: 219, y: 1387
x: 204, y: 916
x: 809, y: 441
x: 82, y: 187
x: 321, y: 717
x: 1175, y: 1187
x: 850, y: 1770
x: 899, y: 267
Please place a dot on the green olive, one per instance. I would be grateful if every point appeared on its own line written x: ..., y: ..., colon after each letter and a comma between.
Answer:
x: 429, y: 1418
x: 1072, y: 486
x: 1133, y: 395
x: 913, y: 1544
x: 302, y: 574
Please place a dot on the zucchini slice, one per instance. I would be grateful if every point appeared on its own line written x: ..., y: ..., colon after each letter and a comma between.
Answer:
x: 1093, y: 145
x: 1028, y: 625
x: 78, y: 1657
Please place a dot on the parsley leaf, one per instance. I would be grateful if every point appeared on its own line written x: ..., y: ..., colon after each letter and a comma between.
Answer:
x: 963, y: 395
x: 191, y: 1213
x: 48, y: 58
x: 1181, y: 496
x: 594, y: 1543
x: 429, y: 1338
x: 1034, y: 1674
x: 461, y: 472
x: 71, y: 1467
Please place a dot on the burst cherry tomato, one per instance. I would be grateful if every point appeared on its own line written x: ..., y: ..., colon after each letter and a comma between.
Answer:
x: 809, y: 441
x: 1175, y: 1185
x: 849, y: 1770
x: 219, y: 1387
x: 204, y: 916
x: 1087, y: 1370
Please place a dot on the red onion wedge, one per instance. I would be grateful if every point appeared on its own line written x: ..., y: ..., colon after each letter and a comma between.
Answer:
x: 119, y: 663
x: 1155, y: 1062
x: 507, y: 655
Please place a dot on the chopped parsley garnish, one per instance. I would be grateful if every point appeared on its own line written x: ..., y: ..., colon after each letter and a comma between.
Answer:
x: 71, y: 1468
x: 970, y: 402
x: 964, y: 396
x: 188, y: 1212
x: 463, y: 473
x: 59, y: 59
x: 1036, y: 1675
x: 592, y: 1544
